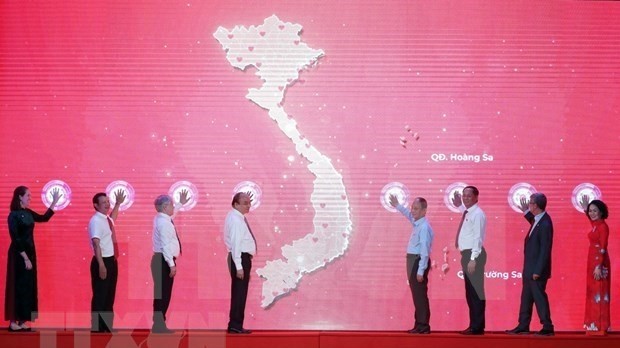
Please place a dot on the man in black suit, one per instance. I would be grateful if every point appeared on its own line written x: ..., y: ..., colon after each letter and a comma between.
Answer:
x: 536, y: 267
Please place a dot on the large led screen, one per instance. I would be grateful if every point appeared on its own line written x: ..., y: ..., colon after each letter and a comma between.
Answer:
x: 321, y: 109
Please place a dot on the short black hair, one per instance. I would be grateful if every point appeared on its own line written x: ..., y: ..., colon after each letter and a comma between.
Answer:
x: 96, y: 198
x: 473, y: 189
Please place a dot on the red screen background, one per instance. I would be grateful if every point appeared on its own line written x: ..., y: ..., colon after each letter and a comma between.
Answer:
x: 142, y: 92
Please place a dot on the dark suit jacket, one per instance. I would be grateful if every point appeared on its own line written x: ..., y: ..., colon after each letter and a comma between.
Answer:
x: 537, y: 248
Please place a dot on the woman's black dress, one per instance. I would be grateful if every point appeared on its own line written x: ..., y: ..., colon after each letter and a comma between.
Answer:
x: 21, y: 302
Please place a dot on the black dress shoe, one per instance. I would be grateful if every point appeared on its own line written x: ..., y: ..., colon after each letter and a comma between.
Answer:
x: 234, y: 330
x: 518, y: 331
x: 472, y: 332
x: 545, y: 332
x: 421, y: 331
x: 424, y: 331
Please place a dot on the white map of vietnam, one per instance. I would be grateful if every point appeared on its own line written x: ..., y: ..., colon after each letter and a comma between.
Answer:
x: 278, y: 54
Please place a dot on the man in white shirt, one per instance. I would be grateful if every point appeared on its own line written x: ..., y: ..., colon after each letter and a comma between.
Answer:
x: 166, y: 250
x: 241, y: 247
x: 469, y: 241
x: 103, y: 266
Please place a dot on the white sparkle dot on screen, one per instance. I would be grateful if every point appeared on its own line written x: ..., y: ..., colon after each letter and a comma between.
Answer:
x: 226, y: 125
x: 443, y: 129
x: 366, y: 195
x: 430, y: 180
x: 284, y: 176
x: 363, y: 156
x: 300, y: 259
x: 561, y: 140
x: 165, y: 46
x: 188, y: 5
x: 344, y: 106
x: 291, y: 158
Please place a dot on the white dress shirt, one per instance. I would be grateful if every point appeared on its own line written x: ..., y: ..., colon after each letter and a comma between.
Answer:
x: 98, y: 227
x: 473, y: 230
x: 237, y: 237
x: 165, y: 238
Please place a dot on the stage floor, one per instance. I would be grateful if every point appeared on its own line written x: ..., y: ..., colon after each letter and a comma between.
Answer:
x: 45, y: 338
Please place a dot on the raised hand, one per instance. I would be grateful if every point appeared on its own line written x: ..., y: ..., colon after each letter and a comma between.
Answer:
x: 56, y: 195
x: 456, y: 199
x: 184, y: 196
x: 584, y: 202
x: 393, y: 201
x: 523, y: 203
x: 251, y: 196
x: 120, y: 196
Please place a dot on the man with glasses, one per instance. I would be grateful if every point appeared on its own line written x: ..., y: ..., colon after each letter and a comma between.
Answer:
x: 166, y: 250
x: 536, y: 267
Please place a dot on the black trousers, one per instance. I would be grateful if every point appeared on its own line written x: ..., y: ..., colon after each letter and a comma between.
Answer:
x: 474, y: 289
x: 534, y: 292
x: 104, y: 292
x: 162, y: 289
x: 238, y: 290
x: 419, y: 293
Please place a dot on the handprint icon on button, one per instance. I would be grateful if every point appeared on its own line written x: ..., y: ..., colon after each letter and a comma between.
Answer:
x: 452, y: 190
x: 583, y: 194
x: 63, y: 189
x: 520, y: 192
x: 126, y: 189
x: 251, y: 188
x: 397, y: 189
x: 178, y: 187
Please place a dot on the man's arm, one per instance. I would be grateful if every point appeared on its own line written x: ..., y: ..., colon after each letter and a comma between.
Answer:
x: 545, y: 239
x: 425, y: 250
x: 119, y: 195
x: 103, y: 272
x: 236, y: 235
